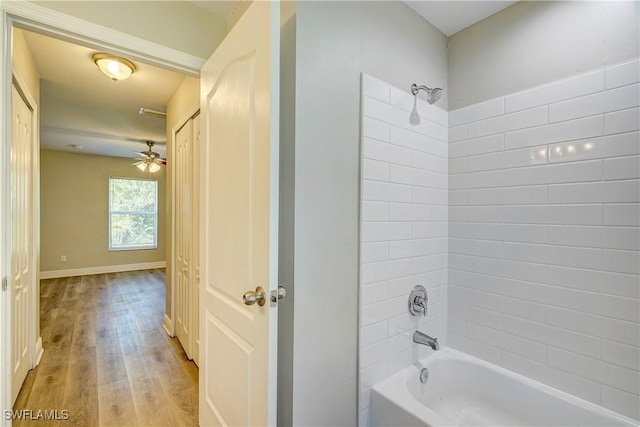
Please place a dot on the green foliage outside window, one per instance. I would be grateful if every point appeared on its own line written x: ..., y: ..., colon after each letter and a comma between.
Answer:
x: 133, y: 213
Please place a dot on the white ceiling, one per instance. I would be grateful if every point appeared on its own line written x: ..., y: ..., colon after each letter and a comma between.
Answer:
x: 80, y: 106
x: 453, y: 15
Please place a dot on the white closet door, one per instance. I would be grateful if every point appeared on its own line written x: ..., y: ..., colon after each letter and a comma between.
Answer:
x: 195, y: 242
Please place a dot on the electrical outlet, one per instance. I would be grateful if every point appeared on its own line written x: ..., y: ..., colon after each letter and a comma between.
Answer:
x: 63, y: 258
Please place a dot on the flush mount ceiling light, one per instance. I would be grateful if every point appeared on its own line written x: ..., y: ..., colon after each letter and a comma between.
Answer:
x: 114, y: 67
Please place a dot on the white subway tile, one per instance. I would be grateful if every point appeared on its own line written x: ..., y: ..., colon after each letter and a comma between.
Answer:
x: 554, y: 214
x: 595, y: 148
x: 385, y: 112
x: 483, y: 334
x: 621, y: 261
x: 457, y: 198
x: 623, y: 74
x: 597, y: 103
x: 373, y: 313
x: 556, y: 132
x: 486, y: 300
x: 573, y: 341
x: 524, y: 328
x: 494, y: 107
x: 470, y: 147
x: 373, y: 354
x: 373, y: 375
x: 557, y: 91
x: 375, y: 88
x: 373, y: 333
x: 489, y: 231
x: 622, y: 168
x: 524, y: 347
x: 526, y: 252
x: 590, y: 170
x: 524, y: 309
x: 529, y: 195
x: 595, y: 237
x: 383, y: 231
x: 622, y: 121
x: 509, y: 122
x: 484, y: 196
x: 621, y: 354
x: 385, y: 152
x: 416, y: 141
x: 457, y: 133
x: 400, y: 174
x: 605, y: 373
x: 507, y: 159
x: 595, y: 192
x: 375, y: 170
x: 625, y: 285
x: 481, y: 350
x: 375, y: 211
x: 525, y: 290
x: 524, y: 270
x: 425, y: 178
x: 375, y: 129
x: 624, y: 403
x: 476, y: 180
x: 458, y: 165
x: 385, y: 192
x: 578, y: 386
x: 431, y: 196
x: 425, y: 230
x: 430, y: 162
x: 439, y: 115
x: 457, y: 229
x: 622, y: 214
x: 372, y: 252
x: 410, y: 212
x: 612, y: 329
x: 405, y: 100
x: 432, y: 129
x: 363, y: 405
x: 526, y: 233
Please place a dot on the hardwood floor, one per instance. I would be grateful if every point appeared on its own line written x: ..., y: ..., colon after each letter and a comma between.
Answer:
x: 107, y: 360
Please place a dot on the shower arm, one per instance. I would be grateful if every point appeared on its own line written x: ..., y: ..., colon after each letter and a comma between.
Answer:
x: 415, y: 88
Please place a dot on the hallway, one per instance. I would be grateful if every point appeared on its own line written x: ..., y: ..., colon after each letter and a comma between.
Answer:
x: 107, y: 360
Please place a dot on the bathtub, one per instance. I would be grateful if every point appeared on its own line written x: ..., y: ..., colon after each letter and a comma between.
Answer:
x: 465, y: 391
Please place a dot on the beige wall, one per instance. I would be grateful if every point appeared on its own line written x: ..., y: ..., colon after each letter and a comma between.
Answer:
x: 175, y: 24
x: 533, y: 43
x: 74, y: 203
x: 180, y: 105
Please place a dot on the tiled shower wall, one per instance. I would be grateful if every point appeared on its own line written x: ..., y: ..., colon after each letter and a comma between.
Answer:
x: 544, y: 237
x: 403, y: 230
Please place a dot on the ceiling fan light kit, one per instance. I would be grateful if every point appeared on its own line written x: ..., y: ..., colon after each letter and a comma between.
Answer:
x: 151, y: 159
x: 114, y: 67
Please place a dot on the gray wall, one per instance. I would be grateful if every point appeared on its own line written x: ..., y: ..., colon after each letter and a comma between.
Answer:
x: 335, y: 42
x: 532, y: 43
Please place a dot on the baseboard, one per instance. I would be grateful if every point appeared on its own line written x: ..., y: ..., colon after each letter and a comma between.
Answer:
x: 167, y: 324
x: 55, y: 274
x: 39, y: 351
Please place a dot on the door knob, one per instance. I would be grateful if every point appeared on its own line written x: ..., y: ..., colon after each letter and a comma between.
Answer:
x: 251, y: 297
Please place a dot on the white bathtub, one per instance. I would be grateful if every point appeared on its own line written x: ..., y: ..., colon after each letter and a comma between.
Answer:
x: 465, y: 391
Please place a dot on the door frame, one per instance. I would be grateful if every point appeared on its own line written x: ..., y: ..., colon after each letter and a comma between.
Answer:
x: 169, y: 323
x: 56, y: 24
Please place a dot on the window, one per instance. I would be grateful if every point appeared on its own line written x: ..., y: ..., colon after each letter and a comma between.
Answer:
x: 133, y: 214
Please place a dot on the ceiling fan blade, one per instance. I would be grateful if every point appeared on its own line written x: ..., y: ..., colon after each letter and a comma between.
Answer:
x: 142, y: 153
x: 138, y: 163
x: 159, y: 160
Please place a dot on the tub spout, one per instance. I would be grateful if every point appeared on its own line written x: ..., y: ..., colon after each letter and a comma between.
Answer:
x: 420, y: 338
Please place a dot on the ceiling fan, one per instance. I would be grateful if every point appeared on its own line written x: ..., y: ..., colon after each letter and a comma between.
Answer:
x: 150, y: 159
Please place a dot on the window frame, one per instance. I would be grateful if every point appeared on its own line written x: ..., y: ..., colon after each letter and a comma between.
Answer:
x: 152, y: 246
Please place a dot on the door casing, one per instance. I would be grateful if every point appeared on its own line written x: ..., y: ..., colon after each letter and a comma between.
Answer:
x: 37, y: 18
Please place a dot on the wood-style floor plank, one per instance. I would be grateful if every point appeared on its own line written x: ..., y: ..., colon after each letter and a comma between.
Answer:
x: 107, y: 360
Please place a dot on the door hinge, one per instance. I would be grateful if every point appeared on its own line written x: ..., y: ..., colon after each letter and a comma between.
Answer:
x: 5, y: 283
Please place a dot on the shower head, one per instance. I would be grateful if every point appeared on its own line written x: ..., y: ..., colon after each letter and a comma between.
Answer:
x: 433, y: 94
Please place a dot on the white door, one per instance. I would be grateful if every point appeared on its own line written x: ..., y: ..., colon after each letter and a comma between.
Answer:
x: 239, y: 227
x: 195, y: 244
x: 21, y: 236
x: 184, y: 239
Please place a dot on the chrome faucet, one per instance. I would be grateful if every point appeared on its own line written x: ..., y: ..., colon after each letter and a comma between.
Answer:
x: 420, y: 338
